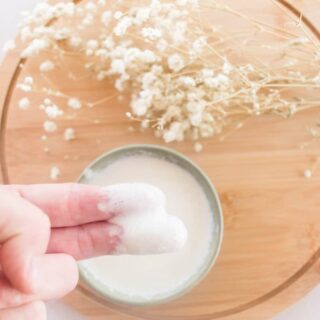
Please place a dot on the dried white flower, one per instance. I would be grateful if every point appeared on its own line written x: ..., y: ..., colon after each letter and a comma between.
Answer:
x: 316, y: 79
x: 181, y: 3
x: 308, y: 173
x: 28, y: 80
x: 198, y: 147
x: 53, y: 111
x: 74, y: 103
x: 219, y: 81
x: 35, y: 47
x: 118, y: 15
x: 147, y: 56
x: 55, y: 173
x: 62, y: 34
x: 69, y: 134
x: 92, y: 44
x: 142, y: 103
x: 227, y: 68
x: 180, y: 72
x: 8, y: 46
x: 90, y: 6
x: 50, y: 126
x: 118, y: 66
x: 176, y: 62
x: 179, y: 32
x: 109, y: 43
x: 24, y: 103
x: 142, y: 15
x: 175, y: 133
x: 47, y: 66
x: 106, y: 18
x: 187, y: 81
x: 47, y: 102
x: 151, y: 33
x: 75, y: 41
x: 199, y: 44
x: 162, y: 45
x: 122, y: 26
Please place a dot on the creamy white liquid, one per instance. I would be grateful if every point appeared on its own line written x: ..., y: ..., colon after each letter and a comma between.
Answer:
x: 140, y: 279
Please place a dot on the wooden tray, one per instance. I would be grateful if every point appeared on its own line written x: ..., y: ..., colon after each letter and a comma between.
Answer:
x: 270, y: 255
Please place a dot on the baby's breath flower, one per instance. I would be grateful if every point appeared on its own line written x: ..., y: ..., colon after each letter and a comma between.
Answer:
x: 118, y: 66
x: 176, y: 62
x: 49, y: 126
x: 75, y: 41
x: 69, y: 134
x: 108, y: 43
x: 151, y: 33
x: 198, y: 147
x: 26, y: 85
x: 24, y: 103
x: 187, y: 81
x: 90, y: 6
x: 174, y: 133
x: 308, y: 173
x: 122, y: 26
x: 181, y: 3
x: 62, y: 34
x: 162, y: 45
x: 118, y: 15
x: 316, y: 79
x: 142, y: 15
x: 181, y: 73
x: 92, y: 44
x: 55, y: 173
x: 220, y: 81
x: 74, y: 103
x: 199, y: 44
x: 47, y: 66
x: 35, y: 47
x: 8, y: 46
x: 53, y: 111
x: 147, y: 56
x: 142, y: 103
x: 227, y: 68
x: 179, y: 32
x: 106, y: 18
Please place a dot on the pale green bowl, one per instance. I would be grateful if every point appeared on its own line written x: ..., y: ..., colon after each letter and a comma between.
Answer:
x: 100, y: 292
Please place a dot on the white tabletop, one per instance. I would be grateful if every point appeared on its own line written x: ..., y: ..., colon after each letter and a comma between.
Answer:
x: 306, y: 309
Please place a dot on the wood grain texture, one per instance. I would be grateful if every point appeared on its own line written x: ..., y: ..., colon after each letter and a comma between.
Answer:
x: 270, y: 254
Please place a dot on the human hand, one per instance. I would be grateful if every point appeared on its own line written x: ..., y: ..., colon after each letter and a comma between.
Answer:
x: 44, y: 229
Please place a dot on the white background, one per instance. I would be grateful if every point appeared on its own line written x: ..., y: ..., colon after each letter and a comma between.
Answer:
x: 307, y: 309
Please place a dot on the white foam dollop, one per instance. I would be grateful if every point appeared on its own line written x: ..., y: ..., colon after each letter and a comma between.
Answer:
x: 140, y: 209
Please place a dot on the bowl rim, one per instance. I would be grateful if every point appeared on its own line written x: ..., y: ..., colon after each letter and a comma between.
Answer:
x: 89, y: 284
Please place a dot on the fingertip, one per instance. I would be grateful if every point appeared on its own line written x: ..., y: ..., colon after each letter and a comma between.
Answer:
x: 52, y: 276
x: 73, y: 272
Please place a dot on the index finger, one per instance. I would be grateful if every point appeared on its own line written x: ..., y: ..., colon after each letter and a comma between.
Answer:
x: 66, y: 205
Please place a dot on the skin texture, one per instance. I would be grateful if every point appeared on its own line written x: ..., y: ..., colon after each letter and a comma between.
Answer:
x: 44, y: 229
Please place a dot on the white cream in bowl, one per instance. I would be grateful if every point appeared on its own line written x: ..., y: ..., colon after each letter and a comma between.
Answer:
x: 167, y: 203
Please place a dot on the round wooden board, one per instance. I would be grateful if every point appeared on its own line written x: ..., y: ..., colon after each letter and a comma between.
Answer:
x: 270, y: 252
